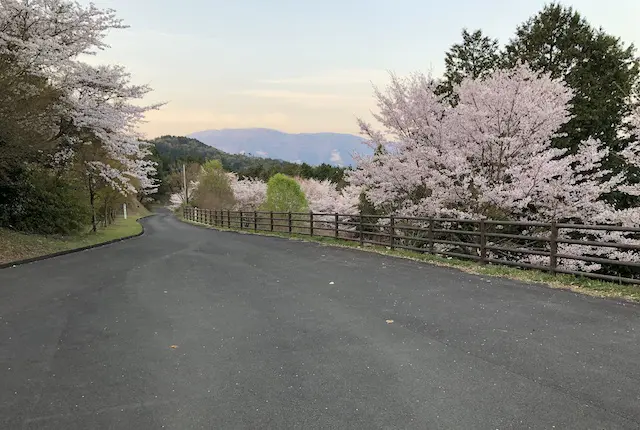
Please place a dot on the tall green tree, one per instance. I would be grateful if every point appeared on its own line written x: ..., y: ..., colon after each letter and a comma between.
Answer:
x: 476, y: 57
x: 603, y: 72
x: 600, y: 69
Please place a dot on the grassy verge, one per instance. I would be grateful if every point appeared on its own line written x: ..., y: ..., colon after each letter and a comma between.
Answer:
x: 16, y: 246
x: 582, y: 285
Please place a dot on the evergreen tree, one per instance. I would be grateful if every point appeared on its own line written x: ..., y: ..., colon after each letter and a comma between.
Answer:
x: 598, y: 67
x: 476, y: 57
x: 600, y: 70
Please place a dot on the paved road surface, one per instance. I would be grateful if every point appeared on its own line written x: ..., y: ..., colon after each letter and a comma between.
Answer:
x: 276, y: 334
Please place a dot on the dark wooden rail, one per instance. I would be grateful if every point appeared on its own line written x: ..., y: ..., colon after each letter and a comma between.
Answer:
x: 484, y: 241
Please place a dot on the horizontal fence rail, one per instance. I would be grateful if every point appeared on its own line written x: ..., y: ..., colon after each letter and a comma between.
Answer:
x: 528, y: 245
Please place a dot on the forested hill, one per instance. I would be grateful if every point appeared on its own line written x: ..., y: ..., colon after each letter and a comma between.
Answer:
x: 173, y: 151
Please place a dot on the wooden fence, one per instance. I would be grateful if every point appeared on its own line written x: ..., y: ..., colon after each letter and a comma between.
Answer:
x: 529, y: 245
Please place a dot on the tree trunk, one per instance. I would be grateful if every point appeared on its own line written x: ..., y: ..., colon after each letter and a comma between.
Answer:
x: 92, y: 198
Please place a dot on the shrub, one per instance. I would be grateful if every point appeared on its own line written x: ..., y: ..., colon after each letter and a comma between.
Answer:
x: 214, y: 188
x: 40, y: 201
x: 284, y: 194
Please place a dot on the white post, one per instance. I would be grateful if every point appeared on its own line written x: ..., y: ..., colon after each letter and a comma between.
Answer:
x: 124, y: 210
x: 184, y: 183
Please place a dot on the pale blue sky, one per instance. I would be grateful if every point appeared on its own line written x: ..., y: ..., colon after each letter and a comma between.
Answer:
x: 303, y: 66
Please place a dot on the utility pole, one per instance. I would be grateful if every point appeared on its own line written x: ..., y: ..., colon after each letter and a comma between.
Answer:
x: 184, y: 181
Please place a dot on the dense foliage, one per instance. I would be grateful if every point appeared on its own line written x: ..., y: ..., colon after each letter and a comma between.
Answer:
x: 171, y: 152
x: 68, y: 136
x: 214, y: 188
x: 602, y: 72
x: 492, y: 156
x: 284, y: 194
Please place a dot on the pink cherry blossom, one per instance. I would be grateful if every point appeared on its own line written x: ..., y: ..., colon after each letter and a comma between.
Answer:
x: 249, y: 193
x: 47, y: 38
x: 490, y: 154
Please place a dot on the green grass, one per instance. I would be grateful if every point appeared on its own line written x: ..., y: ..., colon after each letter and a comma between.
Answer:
x: 582, y: 285
x: 16, y: 246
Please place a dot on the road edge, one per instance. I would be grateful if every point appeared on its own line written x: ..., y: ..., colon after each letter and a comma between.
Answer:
x: 71, y: 251
x: 582, y: 291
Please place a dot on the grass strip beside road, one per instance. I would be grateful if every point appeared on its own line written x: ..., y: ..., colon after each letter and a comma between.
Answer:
x: 15, y: 246
x: 578, y: 284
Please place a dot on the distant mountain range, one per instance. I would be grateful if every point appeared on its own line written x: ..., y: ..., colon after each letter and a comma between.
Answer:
x: 311, y: 148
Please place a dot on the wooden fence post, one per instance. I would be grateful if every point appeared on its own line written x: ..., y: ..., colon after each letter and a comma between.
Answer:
x: 228, y: 219
x: 431, y: 237
x: 553, y: 248
x: 255, y: 221
x: 336, y: 225
x: 241, y: 220
x: 290, y: 226
x: 360, y: 228
x: 311, y: 223
x: 392, y: 231
x: 483, y: 242
x: 271, y: 219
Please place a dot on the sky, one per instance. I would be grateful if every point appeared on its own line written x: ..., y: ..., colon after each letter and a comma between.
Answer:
x: 302, y: 65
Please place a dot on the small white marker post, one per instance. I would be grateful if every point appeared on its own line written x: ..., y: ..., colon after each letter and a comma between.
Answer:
x: 124, y: 210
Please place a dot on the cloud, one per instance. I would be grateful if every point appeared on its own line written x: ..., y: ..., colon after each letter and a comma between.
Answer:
x: 182, y: 121
x: 336, y: 157
x: 261, y: 154
x: 289, y: 95
x: 334, y: 77
x: 308, y: 99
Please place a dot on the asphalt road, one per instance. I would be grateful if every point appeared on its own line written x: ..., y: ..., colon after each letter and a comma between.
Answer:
x: 187, y: 328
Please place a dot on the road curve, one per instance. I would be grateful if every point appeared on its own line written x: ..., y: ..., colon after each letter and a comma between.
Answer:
x: 187, y: 328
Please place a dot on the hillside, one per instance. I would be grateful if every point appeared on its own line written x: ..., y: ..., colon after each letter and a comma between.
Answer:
x: 311, y: 148
x: 172, y: 151
x: 185, y: 148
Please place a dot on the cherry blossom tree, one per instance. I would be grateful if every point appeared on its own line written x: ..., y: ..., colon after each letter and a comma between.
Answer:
x: 632, y: 153
x: 99, y: 111
x: 323, y: 196
x: 249, y: 193
x: 489, y: 156
x: 100, y: 108
x: 47, y: 36
x: 178, y: 199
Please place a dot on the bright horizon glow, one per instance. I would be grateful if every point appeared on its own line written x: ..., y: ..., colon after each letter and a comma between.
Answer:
x: 302, y: 66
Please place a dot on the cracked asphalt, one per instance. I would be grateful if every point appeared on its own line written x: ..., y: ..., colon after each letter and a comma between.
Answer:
x: 188, y: 328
